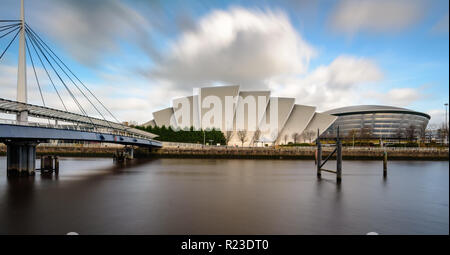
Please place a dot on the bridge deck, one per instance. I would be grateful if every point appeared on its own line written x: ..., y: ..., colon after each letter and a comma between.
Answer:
x: 8, y: 132
x: 13, y: 107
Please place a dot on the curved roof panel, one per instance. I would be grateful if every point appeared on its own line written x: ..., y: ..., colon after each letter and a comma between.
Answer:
x: 372, y: 109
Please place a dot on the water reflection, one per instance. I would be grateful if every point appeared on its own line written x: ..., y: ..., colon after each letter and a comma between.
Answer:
x: 193, y: 196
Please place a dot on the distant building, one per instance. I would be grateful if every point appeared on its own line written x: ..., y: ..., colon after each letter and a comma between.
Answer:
x: 378, y: 121
x: 277, y: 120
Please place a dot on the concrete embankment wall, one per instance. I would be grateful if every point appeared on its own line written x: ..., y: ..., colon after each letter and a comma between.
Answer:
x: 247, y: 153
x: 296, y: 153
x: 70, y: 151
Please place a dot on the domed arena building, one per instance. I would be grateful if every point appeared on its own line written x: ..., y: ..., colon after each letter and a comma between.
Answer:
x: 378, y: 121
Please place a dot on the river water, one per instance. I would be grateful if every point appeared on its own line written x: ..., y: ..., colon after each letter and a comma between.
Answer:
x: 214, y: 196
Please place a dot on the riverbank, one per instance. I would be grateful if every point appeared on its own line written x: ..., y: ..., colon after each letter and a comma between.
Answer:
x: 305, y: 152
x: 296, y: 153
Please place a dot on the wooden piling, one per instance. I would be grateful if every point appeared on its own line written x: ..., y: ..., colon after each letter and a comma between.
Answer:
x: 338, y: 158
x: 319, y: 155
x: 385, y: 163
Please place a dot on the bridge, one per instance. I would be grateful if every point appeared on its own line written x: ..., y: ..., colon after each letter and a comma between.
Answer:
x: 22, y: 135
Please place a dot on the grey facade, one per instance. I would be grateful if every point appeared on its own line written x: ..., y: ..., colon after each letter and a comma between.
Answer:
x: 377, y: 121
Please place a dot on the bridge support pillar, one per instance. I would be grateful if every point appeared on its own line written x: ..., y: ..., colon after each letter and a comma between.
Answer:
x: 21, y: 158
x: 49, y: 164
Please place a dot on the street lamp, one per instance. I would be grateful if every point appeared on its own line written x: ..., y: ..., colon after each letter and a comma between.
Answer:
x: 446, y: 124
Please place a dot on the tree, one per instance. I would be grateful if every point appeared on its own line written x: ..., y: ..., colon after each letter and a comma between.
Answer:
x: 256, y: 136
x: 295, y: 137
x: 399, y: 134
x: 352, y: 134
x: 228, y: 135
x: 242, y: 135
x: 365, y: 133
x: 410, y: 133
x: 309, y: 134
x: 429, y: 134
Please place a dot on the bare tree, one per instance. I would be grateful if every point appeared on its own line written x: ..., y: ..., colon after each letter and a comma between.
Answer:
x: 429, y: 133
x: 410, y: 133
x: 352, y: 134
x: 256, y: 136
x: 399, y: 133
x: 295, y: 137
x: 242, y: 134
x: 366, y: 133
x: 285, y: 139
x: 309, y: 134
x: 228, y: 135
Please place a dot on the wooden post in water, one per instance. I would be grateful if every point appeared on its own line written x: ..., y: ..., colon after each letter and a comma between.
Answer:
x: 319, y: 155
x: 56, y: 165
x: 384, y: 163
x: 338, y: 157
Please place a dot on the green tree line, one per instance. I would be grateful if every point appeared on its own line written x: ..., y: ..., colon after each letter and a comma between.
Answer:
x: 185, y: 136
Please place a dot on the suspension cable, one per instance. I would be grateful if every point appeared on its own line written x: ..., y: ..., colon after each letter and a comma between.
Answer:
x: 6, y: 27
x: 7, y: 47
x: 76, y: 77
x: 64, y: 84
x: 46, y: 71
x: 81, y: 91
x: 34, y: 70
x: 9, y: 32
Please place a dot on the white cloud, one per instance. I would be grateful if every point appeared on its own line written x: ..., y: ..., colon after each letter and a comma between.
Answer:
x: 437, y: 117
x: 353, y: 16
x: 401, y: 97
x: 330, y: 86
x: 238, y: 46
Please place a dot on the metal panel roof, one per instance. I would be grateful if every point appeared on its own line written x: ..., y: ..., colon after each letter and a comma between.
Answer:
x: 372, y: 109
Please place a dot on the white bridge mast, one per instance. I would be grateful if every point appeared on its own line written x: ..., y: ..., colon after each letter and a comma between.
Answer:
x: 22, y: 117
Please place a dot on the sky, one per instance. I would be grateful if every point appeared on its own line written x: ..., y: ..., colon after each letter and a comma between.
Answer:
x: 137, y: 55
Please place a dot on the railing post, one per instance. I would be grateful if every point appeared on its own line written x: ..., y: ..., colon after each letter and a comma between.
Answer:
x: 319, y: 155
x: 338, y: 157
x: 384, y: 163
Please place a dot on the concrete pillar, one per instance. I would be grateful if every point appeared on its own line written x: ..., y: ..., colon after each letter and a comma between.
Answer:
x: 22, y: 116
x: 21, y: 158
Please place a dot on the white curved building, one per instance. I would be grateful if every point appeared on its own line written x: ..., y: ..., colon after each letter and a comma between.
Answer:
x: 250, y: 117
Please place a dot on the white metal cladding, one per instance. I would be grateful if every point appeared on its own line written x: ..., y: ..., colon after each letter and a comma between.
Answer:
x: 13, y: 107
x: 192, y: 120
x: 221, y: 93
x: 165, y: 117
x: 291, y: 118
x: 321, y: 122
x: 298, y: 121
x: 284, y: 109
x: 261, y: 99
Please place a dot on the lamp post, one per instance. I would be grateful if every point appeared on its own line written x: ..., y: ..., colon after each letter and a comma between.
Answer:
x: 446, y: 124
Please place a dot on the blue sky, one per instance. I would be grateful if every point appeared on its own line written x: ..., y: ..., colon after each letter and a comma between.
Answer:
x: 138, y: 55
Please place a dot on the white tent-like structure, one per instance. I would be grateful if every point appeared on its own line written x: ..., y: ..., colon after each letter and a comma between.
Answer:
x: 250, y: 116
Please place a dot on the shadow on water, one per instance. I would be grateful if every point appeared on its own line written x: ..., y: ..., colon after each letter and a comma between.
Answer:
x: 25, y: 198
x: 193, y: 196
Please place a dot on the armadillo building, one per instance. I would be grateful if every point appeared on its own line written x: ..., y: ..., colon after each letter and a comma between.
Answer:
x: 256, y: 115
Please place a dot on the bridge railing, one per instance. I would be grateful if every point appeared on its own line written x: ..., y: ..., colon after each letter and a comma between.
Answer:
x: 82, y: 128
x: 13, y: 107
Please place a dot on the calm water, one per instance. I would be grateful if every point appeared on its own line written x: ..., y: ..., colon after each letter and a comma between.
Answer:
x: 193, y: 196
